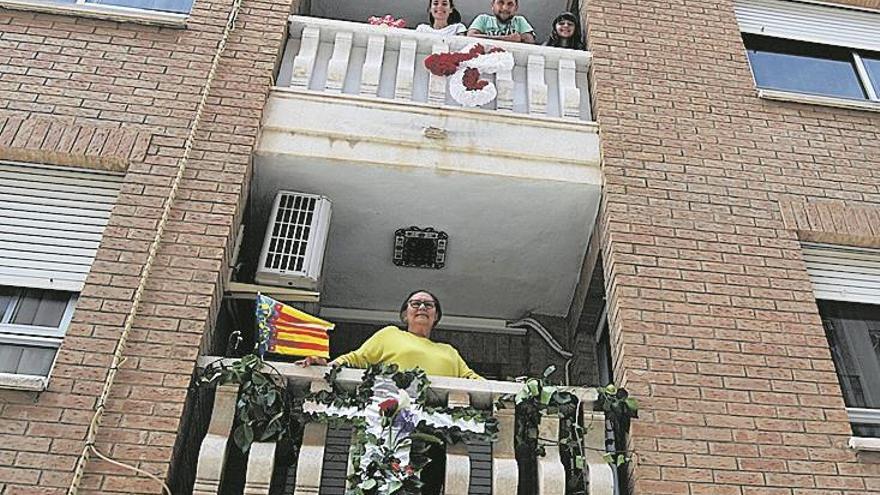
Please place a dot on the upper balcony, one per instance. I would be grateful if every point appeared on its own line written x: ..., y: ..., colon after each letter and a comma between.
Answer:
x: 516, y: 184
x: 376, y: 62
x: 360, y: 93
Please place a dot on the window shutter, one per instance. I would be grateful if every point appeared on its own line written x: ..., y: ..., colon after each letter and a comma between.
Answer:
x: 52, y: 220
x: 844, y: 273
x: 810, y: 22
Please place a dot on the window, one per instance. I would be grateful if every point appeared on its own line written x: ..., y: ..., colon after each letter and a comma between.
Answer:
x: 812, y: 68
x: 32, y: 324
x: 853, y: 332
x: 124, y: 8
x: 174, y: 6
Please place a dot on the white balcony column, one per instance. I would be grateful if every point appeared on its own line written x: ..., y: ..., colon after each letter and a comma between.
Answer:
x: 505, y: 473
x: 212, y: 454
x: 569, y: 94
x: 337, y: 68
x: 458, y: 464
x: 403, y: 87
x: 600, y: 475
x: 372, y: 72
x: 504, y: 86
x: 304, y: 63
x: 310, y: 463
x: 537, y: 85
x: 261, y: 463
x: 551, y: 472
x: 437, y: 84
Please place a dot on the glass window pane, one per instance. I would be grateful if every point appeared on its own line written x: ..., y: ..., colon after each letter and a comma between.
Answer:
x: 873, y: 66
x: 803, y: 67
x: 26, y: 360
x: 176, y: 6
x: 43, y: 308
x: 854, y: 335
x: 6, y: 296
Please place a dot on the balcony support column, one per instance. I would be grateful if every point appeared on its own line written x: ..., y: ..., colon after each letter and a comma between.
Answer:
x: 569, y: 95
x: 304, y: 63
x: 437, y: 84
x: 261, y: 463
x: 310, y: 464
x: 403, y: 89
x: 551, y: 472
x: 458, y: 464
x: 212, y: 454
x: 505, y: 472
x: 372, y: 72
x: 537, y: 85
x: 337, y: 69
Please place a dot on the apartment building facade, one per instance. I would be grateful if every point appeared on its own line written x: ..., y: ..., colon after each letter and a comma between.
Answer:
x: 705, y: 174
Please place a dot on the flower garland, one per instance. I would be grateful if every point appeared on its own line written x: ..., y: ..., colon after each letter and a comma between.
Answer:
x: 388, y: 21
x: 388, y: 412
x: 464, y: 70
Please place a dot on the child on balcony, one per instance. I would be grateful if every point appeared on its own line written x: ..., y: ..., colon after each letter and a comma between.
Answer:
x: 566, y: 32
x: 444, y: 19
x: 503, y: 24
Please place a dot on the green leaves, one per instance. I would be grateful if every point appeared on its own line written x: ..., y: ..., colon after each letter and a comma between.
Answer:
x: 262, y: 408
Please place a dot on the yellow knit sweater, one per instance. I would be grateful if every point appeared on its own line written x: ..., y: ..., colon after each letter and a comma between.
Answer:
x: 392, y: 345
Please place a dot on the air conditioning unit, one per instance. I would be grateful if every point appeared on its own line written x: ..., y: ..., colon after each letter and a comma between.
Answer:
x: 293, y: 249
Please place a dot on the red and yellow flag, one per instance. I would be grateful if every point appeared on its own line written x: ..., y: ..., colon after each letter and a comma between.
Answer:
x: 286, y: 330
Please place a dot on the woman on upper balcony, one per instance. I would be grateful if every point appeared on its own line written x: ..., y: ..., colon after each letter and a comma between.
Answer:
x: 566, y: 32
x: 409, y: 348
x: 444, y: 19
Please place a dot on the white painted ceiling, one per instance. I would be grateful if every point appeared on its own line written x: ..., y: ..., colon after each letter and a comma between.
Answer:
x: 540, y: 13
x: 515, y: 245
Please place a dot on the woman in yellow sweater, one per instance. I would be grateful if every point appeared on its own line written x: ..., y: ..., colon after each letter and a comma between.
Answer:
x: 409, y: 348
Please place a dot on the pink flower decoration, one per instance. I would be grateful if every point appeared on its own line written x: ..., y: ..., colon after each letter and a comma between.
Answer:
x: 388, y: 20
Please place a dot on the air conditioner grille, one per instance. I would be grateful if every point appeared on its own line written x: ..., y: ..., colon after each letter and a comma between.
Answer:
x: 290, y: 233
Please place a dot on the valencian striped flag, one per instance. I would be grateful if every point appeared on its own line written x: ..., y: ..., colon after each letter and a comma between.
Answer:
x: 286, y: 330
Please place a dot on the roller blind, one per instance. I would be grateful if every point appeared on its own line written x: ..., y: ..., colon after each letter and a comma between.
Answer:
x: 810, y: 22
x: 51, y: 221
x: 844, y: 273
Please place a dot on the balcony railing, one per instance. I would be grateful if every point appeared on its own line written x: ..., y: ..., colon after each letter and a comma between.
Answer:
x: 339, y: 57
x: 310, y: 463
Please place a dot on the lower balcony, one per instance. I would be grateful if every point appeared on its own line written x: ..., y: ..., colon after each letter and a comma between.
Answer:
x: 319, y: 463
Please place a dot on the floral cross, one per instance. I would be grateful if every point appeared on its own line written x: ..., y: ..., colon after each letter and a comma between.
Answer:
x: 388, y: 408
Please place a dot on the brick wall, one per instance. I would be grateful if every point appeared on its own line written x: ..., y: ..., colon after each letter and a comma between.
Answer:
x: 713, y: 319
x: 107, y: 82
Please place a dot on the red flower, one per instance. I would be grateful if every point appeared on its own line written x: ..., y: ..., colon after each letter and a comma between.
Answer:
x: 388, y: 407
x: 409, y: 470
x: 472, y: 81
x: 395, y: 466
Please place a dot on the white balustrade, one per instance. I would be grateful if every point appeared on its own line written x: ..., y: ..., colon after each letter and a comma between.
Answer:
x: 339, y: 57
x: 337, y: 69
x: 458, y: 464
x: 551, y: 473
x: 212, y: 454
x: 480, y: 394
x: 304, y: 63
x: 373, y: 65
x: 261, y: 463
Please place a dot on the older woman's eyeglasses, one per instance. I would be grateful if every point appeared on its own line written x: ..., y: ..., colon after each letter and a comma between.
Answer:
x: 415, y: 304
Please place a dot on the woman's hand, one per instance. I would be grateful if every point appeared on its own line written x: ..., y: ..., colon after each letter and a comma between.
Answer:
x: 306, y: 362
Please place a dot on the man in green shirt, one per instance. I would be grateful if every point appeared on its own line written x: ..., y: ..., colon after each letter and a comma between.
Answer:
x: 503, y: 24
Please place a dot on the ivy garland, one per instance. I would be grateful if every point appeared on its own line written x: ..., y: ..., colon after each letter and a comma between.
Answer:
x: 263, y: 405
x: 538, y: 398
